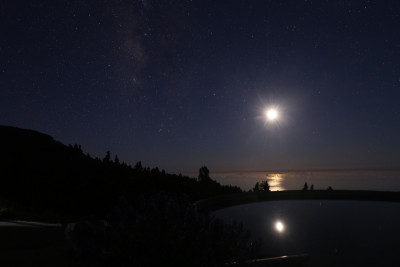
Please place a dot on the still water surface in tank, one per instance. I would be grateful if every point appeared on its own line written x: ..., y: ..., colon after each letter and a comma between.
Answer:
x: 332, y: 232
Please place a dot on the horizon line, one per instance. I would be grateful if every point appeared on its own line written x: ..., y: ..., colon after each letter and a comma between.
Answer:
x: 305, y: 170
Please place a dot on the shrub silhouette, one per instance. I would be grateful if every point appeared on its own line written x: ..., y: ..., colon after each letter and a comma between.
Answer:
x: 170, y: 228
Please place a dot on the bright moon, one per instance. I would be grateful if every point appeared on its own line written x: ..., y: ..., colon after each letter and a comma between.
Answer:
x: 272, y: 114
x: 279, y: 226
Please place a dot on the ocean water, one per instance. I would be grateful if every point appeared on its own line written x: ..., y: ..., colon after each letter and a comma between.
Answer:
x: 381, y: 180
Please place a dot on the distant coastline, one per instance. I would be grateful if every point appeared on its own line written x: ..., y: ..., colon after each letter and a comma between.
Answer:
x: 349, y: 179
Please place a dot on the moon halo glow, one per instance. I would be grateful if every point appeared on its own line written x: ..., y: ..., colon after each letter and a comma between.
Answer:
x: 272, y: 114
x: 279, y: 226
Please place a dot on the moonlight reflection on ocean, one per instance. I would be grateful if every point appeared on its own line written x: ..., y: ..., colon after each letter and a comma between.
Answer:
x: 294, y: 180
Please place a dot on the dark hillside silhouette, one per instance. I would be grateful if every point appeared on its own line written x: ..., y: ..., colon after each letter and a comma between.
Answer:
x: 44, y: 174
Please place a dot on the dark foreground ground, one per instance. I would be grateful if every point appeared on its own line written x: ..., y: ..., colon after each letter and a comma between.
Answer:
x: 26, y: 244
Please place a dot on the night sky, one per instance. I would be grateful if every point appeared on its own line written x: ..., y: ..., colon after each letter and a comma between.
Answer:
x: 181, y: 84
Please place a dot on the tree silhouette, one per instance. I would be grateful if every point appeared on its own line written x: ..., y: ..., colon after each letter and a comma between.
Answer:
x: 204, y: 174
x: 256, y: 187
x: 107, y: 158
x: 305, y: 188
x: 138, y: 166
x: 78, y: 148
x: 116, y: 160
x: 264, y: 186
x: 261, y: 187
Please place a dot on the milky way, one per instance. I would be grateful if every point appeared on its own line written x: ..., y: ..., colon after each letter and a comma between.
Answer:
x: 181, y: 84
